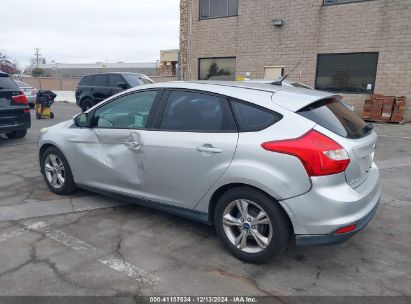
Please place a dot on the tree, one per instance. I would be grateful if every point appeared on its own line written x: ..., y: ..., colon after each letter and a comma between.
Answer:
x: 37, y: 72
x: 7, y: 66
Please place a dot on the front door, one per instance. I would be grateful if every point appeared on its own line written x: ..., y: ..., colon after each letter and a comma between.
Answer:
x: 109, y: 153
x: 193, y: 146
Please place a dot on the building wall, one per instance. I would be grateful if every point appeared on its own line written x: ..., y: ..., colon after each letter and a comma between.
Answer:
x: 310, y: 28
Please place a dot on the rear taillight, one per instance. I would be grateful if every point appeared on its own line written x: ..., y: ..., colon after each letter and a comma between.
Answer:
x: 319, y: 154
x: 21, y: 98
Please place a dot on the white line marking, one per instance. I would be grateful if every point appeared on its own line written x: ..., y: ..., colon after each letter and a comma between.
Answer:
x: 393, y: 136
x: 21, y: 231
x: 111, y: 261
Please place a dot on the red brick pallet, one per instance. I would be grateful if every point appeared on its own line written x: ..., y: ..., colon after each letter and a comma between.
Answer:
x: 384, y: 109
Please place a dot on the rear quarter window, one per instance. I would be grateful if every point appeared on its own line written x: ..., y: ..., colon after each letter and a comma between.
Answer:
x: 336, y: 117
x: 251, y: 117
x: 86, y: 80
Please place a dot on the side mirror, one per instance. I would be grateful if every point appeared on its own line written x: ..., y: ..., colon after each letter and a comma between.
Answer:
x: 81, y: 120
x: 122, y: 85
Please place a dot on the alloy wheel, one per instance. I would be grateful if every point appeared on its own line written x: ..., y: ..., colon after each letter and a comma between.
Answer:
x: 247, y: 226
x: 54, y: 171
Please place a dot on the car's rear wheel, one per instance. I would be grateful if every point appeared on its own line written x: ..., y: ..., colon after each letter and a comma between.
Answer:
x: 86, y: 104
x: 56, y: 172
x: 17, y: 134
x: 251, y: 225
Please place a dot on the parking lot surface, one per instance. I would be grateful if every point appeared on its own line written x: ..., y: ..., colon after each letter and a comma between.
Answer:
x: 87, y: 244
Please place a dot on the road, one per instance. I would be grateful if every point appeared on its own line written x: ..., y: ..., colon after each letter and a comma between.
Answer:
x: 87, y: 244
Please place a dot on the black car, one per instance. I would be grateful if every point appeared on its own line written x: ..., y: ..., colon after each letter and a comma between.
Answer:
x: 14, y: 111
x: 95, y: 88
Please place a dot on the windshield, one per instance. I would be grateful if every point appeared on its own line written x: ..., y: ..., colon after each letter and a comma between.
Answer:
x: 137, y: 80
x: 6, y: 83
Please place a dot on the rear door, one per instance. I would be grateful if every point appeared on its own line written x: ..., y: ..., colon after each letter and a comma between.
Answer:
x: 350, y: 131
x: 193, y: 145
x: 99, y: 88
x: 114, y: 80
x: 11, y: 110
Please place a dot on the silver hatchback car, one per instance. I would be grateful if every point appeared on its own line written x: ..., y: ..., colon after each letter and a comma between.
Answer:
x: 265, y: 164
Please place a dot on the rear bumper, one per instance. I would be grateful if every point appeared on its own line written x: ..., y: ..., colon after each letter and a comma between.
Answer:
x: 331, y: 239
x: 15, y: 124
x: 332, y: 204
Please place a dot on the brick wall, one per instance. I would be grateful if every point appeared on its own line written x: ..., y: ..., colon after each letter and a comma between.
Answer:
x: 310, y: 28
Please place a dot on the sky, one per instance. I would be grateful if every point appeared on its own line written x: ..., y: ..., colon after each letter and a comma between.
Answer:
x: 87, y: 31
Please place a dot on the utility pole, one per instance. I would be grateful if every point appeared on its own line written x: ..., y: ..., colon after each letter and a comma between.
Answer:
x: 37, y: 54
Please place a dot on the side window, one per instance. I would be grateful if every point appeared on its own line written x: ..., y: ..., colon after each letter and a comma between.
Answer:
x: 100, y: 80
x: 127, y: 112
x: 252, y: 117
x: 189, y: 111
x: 114, y: 80
x: 86, y: 80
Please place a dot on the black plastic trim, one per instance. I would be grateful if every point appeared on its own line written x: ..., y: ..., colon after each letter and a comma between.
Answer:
x: 190, y: 214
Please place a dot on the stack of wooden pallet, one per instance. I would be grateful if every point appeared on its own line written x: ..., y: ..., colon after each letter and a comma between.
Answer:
x: 380, y: 108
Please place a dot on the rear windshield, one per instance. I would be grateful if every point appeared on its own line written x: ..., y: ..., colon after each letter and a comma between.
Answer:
x: 6, y: 83
x: 336, y: 117
x: 136, y: 80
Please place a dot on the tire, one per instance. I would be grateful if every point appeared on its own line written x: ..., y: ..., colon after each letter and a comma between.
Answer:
x: 273, y: 227
x: 61, y: 187
x: 17, y: 134
x: 51, y: 115
x: 86, y: 104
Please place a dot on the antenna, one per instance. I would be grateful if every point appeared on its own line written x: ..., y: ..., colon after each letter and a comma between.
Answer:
x: 280, y: 82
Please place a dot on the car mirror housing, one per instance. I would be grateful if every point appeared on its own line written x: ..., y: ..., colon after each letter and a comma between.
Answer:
x: 82, y: 121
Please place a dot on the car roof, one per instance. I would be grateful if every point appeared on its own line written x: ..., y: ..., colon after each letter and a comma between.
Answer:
x: 116, y: 73
x: 290, y: 98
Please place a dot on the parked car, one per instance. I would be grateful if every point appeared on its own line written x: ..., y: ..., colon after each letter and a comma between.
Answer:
x: 264, y: 163
x: 14, y: 112
x: 93, y: 89
x: 29, y: 91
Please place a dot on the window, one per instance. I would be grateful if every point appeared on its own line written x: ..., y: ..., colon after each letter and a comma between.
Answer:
x: 6, y: 82
x: 218, y: 8
x: 114, y: 80
x: 136, y: 80
x: 86, y: 80
x: 347, y: 73
x: 217, y: 68
x: 189, y: 111
x: 331, y: 2
x: 336, y: 117
x: 252, y: 117
x: 100, y: 80
x: 127, y: 112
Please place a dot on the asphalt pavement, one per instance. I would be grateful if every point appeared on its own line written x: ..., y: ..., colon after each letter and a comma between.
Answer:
x: 87, y: 244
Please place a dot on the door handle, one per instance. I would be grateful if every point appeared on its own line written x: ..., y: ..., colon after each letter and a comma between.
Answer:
x: 132, y: 144
x: 209, y: 149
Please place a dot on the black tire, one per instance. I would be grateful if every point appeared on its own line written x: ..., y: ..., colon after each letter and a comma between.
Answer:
x: 68, y: 186
x: 51, y: 115
x: 279, y: 222
x: 86, y: 104
x: 17, y: 134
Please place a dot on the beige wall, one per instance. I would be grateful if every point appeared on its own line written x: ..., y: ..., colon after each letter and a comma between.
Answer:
x: 310, y: 28
x: 70, y: 84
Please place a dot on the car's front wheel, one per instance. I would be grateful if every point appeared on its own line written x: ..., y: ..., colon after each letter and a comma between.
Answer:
x: 17, y: 134
x: 251, y: 225
x: 56, y: 172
